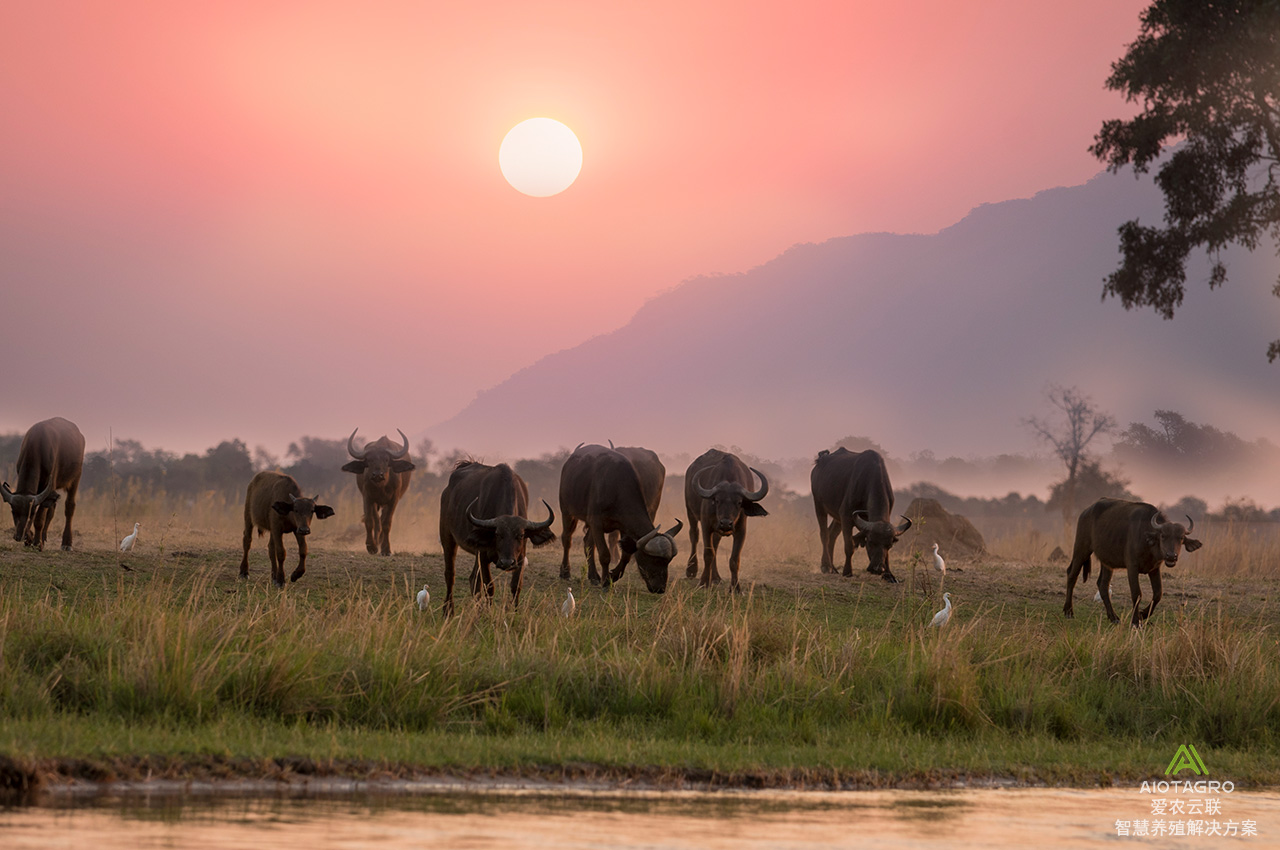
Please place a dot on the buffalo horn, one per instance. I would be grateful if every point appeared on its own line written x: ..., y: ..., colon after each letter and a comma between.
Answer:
x: 547, y: 522
x: 860, y: 523
x: 482, y: 523
x: 764, y: 487
x: 351, y: 449
x: 404, y: 451
x: 1155, y: 520
x: 697, y: 483
x: 44, y: 494
x: 906, y: 524
x: 1190, y: 523
x: 673, y: 532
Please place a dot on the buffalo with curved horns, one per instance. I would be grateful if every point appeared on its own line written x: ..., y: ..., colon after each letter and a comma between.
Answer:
x: 51, y: 458
x: 1131, y: 536
x: 718, y: 497
x: 602, y: 488
x: 853, y: 489
x: 484, y: 510
x: 382, y: 475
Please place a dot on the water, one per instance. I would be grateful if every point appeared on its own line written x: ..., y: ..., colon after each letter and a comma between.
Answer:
x: 578, y: 818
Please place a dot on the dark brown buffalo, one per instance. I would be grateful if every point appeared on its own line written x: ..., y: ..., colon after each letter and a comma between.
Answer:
x: 274, y: 503
x: 853, y: 489
x: 51, y: 458
x: 652, y: 475
x: 602, y: 488
x: 718, y: 497
x: 1130, y: 536
x: 382, y: 475
x: 485, y: 510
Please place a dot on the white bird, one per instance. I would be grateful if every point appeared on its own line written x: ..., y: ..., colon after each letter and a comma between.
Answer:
x: 568, y: 606
x: 424, y: 598
x: 127, y: 543
x: 1097, y: 596
x: 940, y: 619
x: 939, y: 564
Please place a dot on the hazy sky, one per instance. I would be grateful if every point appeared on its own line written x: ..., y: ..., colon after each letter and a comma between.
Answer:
x: 270, y: 219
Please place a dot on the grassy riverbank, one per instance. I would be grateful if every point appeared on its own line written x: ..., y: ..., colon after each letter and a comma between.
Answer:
x: 164, y: 662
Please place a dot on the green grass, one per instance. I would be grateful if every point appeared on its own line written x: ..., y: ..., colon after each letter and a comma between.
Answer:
x: 176, y: 662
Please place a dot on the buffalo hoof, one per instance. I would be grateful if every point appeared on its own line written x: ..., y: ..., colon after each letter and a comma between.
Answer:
x: 616, y: 575
x: 564, y: 574
x: 66, y: 547
x: 827, y: 568
x: 889, y: 577
x: 691, y: 571
x: 1069, y: 613
x: 1114, y: 620
x: 877, y: 570
x: 296, y: 574
x: 594, y: 579
x: 278, y: 583
x: 371, y: 549
x: 735, y: 589
x: 848, y: 572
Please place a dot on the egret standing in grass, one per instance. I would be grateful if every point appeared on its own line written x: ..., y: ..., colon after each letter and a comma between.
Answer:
x: 568, y: 606
x: 127, y: 543
x: 424, y: 598
x: 939, y: 565
x: 940, y: 619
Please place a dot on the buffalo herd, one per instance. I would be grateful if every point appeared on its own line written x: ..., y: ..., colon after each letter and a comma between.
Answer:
x: 615, y: 493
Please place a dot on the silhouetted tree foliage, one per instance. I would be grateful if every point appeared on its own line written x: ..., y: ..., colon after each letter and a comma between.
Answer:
x: 1208, y: 78
x: 1092, y: 483
x: 1012, y: 505
x: 1187, y: 446
x: 542, y: 474
x: 1070, y: 432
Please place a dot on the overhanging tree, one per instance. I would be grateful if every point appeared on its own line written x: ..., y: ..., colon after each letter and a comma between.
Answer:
x: 1207, y: 75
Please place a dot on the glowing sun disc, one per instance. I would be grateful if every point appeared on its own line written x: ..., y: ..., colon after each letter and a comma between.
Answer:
x: 540, y: 157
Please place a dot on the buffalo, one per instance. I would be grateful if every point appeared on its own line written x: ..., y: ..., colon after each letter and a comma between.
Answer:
x: 484, y: 510
x: 1130, y: 536
x: 652, y: 475
x: 602, y: 488
x: 853, y: 489
x: 382, y: 475
x: 274, y: 503
x: 717, y: 496
x: 51, y: 458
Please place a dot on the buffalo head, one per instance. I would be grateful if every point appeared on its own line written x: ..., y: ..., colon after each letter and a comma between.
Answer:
x: 301, y: 511
x: 506, y: 535
x: 731, y: 500
x: 377, y: 459
x: 1167, y: 538
x: 878, y: 538
x: 653, y: 554
x: 28, y: 511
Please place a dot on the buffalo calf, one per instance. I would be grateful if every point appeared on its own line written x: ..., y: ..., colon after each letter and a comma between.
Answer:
x: 274, y: 503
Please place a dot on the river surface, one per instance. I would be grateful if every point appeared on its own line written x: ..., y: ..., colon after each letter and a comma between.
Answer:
x: 581, y: 818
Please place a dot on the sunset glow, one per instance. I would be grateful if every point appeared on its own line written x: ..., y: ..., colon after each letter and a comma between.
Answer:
x: 540, y: 157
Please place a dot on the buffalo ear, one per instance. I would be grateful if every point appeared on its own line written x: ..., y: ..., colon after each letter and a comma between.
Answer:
x: 5, y: 492
x: 356, y: 466
x: 753, y: 509
x: 323, y: 511
x: 480, y: 538
x: 50, y: 500
x: 402, y: 466
x: 1191, y: 543
x: 540, y: 536
x: 282, y: 508
x: 859, y: 539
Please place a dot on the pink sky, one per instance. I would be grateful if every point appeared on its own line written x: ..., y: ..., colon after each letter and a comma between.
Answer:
x: 273, y: 219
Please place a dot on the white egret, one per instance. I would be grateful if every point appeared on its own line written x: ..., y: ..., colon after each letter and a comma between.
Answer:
x: 939, y: 564
x: 127, y: 543
x: 940, y: 619
x: 424, y: 598
x: 568, y: 606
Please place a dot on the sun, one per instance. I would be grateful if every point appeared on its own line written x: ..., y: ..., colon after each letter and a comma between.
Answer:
x: 540, y: 157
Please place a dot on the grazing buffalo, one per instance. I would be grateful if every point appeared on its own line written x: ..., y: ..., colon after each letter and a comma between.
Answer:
x: 652, y: 475
x: 382, y: 475
x: 603, y: 489
x: 274, y: 503
x: 1130, y: 536
x: 51, y: 458
x: 853, y: 489
x: 485, y: 509
x: 716, y: 495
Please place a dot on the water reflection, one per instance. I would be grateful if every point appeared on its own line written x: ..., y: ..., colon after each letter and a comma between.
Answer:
x: 575, y: 818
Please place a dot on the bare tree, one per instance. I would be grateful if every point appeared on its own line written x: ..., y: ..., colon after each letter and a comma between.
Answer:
x: 1069, y: 430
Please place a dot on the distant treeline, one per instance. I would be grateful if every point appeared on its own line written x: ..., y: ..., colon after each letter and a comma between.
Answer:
x: 317, y: 465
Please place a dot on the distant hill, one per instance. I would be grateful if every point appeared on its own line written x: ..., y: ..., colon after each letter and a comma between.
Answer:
x: 942, y: 341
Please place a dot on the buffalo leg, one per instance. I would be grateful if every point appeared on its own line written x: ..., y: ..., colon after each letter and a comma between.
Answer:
x: 601, y: 547
x: 846, y: 528
x: 710, y: 542
x: 384, y: 529
x: 517, y: 576
x: 691, y: 570
x: 827, y: 544
x: 482, y: 576
x: 569, y: 523
x: 1135, y: 593
x: 589, y: 552
x: 735, y: 557
x: 624, y: 557
x: 302, y: 558
x: 450, y: 547
x: 1156, y: 593
x: 1104, y: 586
x: 248, y: 541
x: 275, y: 549
x: 68, y: 512
x: 44, y: 518
x: 370, y: 526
